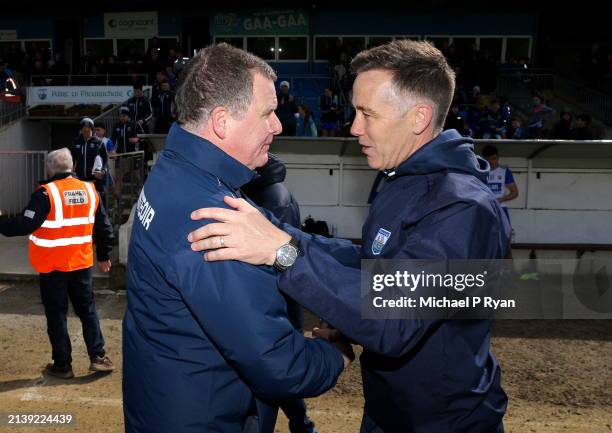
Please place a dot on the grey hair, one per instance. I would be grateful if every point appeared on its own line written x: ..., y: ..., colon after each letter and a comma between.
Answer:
x: 58, y: 161
x: 218, y: 76
x: 419, y: 70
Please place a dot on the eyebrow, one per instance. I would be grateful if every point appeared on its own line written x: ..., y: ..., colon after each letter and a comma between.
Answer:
x: 365, y: 109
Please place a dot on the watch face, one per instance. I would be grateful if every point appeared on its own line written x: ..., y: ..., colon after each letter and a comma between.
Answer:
x: 286, y: 255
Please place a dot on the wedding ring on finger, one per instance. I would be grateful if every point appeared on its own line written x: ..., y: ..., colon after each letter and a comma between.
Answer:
x: 222, y: 241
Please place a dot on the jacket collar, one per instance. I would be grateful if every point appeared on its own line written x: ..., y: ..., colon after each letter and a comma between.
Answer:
x: 208, y: 157
x: 58, y: 176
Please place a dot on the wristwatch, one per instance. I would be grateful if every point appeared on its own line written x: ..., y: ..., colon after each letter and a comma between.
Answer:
x: 286, y: 255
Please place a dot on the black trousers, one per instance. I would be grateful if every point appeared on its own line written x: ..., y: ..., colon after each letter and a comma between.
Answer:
x: 55, y: 290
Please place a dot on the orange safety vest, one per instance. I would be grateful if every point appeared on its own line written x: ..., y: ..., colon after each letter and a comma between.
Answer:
x: 64, y: 241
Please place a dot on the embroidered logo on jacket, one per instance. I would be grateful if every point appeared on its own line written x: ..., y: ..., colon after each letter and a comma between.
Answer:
x: 379, y: 242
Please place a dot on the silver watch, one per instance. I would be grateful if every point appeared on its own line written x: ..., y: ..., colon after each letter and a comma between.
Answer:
x: 286, y: 255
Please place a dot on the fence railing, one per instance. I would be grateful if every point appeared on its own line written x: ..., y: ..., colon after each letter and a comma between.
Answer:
x: 127, y: 175
x: 20, y: 172
x: 597, y: 103
x: 10, y: 112
x: 89, y: 80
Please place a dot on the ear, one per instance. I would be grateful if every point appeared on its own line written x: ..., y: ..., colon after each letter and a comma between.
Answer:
x: 422, y: 118
x: 219, y: 119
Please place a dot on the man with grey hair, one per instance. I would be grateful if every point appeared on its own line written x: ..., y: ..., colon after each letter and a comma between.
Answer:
x: 208, y: 346
x: 62, y: 218
x: 419, y: 376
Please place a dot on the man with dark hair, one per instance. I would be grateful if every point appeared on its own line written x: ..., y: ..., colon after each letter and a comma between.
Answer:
x: 286, y: 109
x: 583, y: 127
x: 163, y: 103
x: 90, y: 156
x: 208, y: 346
x: 140, y: 107
x: 418, y: 375
x: 500, y: 181
x: 125, y: 133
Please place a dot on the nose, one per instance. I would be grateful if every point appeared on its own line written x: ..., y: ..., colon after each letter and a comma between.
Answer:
x: 275, y: 126
x: 357, y: 126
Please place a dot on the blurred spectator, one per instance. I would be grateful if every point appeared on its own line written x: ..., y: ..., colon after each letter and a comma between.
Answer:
x: 140, y: 108
x: 38, y: 73
x: 515, y: 131
x: 465, y: 130
x: 539, y: 115
x: 125, y: 133
x: 171, y: 77
x: 179, y: 63
x: 113, y: 66
x: 59, y: 65
x: 100, y: 131
x: 160, y: 77
x: 163, y: 108
x: 90, y: 156
x: 286, y: 109
x: 15, y: 57
x: 583, y: 127
x: 564, y: 128
x: 506, y: 110
x: 305, y: 126
x: 491, y: 125
x: 329, y: 113
x: 152, y: 63
x: 501, y: 181
x: 454, y: 119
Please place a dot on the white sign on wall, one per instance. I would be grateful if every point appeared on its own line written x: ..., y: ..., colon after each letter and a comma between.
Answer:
x: 79, y: 95
x: 130, y: 25
x: 8, y: 35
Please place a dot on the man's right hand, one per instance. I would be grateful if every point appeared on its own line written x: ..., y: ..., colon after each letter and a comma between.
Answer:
x: 333, y: 336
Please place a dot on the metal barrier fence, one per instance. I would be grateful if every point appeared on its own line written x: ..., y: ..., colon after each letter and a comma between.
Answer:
x: 594, y: 102
x: 10, y: 112
x: 89, y: 80
x: 20, y: 172
x: 127, y: 175
x: 520, y: 87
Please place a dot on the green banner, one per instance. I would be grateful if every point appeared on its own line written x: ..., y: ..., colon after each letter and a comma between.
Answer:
x: 286, y: 22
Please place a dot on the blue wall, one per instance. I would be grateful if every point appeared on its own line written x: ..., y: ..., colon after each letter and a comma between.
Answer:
x: 30, y: 27
x: 387, y: 23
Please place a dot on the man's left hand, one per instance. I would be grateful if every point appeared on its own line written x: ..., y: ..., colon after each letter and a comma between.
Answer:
x: 242, y: 234
x: 104, y: 266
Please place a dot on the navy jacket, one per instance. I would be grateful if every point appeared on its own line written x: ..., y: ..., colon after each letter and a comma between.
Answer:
x: 267, y: 191
x: 418, y: 376
x: 84, y: 154
x: 206, y: 344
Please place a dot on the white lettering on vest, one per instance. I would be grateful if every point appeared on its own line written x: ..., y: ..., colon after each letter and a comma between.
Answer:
x: 144, y: 211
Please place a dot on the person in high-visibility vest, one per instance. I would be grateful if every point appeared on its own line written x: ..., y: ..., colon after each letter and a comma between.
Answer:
x: 10, y: 91
x: 63, y: 218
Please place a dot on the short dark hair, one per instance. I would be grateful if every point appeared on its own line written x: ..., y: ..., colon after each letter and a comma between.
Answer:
x: 489, y: 151
x: 218, y: 75
x: 585, y: 118
x: 418, y: 68
x: 100, y: 125
x: 137, y: 86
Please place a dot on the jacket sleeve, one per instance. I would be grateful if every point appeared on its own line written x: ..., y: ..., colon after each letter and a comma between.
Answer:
x: 148, y: 109
x: 332, y: 290
x: 103, y: 233
x: 343, y: 250
x: 241, y: 311
x: 32, y: 217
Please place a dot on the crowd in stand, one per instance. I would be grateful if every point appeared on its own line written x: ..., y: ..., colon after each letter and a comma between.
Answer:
x: 486, y: 117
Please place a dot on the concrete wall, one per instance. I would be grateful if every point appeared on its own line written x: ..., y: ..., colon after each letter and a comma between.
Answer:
x: 20, y: 173
x: 26, y: 135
